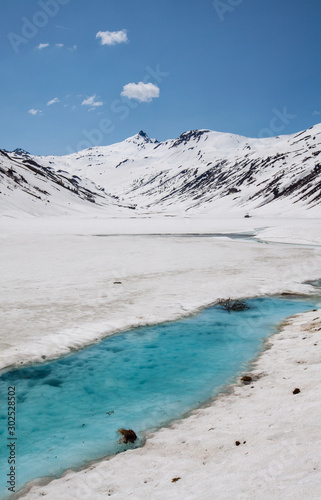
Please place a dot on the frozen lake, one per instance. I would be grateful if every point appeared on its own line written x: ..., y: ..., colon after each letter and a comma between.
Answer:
x: 69, y: 410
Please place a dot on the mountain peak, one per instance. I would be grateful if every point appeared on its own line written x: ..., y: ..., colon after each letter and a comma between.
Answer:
x: 21, y: 152
x: 17, y: 151
x: 190, y: 135
x: 141, y: 139
x: 143, y: 134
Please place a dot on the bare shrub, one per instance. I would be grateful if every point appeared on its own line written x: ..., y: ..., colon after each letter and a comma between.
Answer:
x: 233, y: 305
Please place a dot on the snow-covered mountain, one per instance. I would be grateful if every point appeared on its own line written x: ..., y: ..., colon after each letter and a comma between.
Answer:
x: 201, y: 172
x: 34, y: 188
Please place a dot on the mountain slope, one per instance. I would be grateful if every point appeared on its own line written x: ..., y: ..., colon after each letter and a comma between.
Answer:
x: 202, y: 172
x: 29, y: 187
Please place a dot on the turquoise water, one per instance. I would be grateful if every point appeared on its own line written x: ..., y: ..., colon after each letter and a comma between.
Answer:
x: 69, y: 410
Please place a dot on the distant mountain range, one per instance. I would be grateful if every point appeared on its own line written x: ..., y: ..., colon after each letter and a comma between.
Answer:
x: 201, y: 172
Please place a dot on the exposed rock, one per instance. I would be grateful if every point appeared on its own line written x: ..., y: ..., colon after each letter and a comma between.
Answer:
x: 129, y: 436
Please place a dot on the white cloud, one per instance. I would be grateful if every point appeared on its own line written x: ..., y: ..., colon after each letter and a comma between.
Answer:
x: 42, y: 46
x: 59, y: 45
x: 34, y: 111
x: 53, y: 101
x: 73, y: 48
x: 90, y: 101
x: 316, y: 113
x: 112, y: 37
x: 143, y: 92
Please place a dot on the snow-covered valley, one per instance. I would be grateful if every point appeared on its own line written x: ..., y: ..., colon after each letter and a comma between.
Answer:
x: 141, y: 232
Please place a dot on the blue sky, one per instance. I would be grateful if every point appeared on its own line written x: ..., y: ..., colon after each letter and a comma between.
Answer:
x: 250, y: 67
